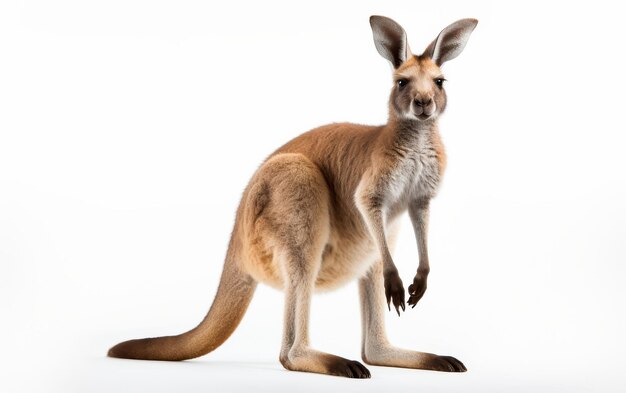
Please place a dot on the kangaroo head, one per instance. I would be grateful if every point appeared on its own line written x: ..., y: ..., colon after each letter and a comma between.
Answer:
x: 418, y: 92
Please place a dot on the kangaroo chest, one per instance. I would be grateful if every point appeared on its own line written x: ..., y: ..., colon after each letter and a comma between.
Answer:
x: 415, y: 175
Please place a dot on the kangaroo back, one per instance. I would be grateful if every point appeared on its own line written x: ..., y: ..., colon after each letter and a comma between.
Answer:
x: 233, y: 296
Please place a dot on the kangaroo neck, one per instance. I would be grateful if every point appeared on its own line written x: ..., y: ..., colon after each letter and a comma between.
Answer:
x: 408, y: 133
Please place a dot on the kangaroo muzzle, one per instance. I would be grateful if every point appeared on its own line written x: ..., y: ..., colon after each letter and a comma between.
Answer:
x: 423, y: 108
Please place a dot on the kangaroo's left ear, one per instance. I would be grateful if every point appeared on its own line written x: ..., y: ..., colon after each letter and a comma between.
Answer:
x: 451, y: 41
x: 390, y: 40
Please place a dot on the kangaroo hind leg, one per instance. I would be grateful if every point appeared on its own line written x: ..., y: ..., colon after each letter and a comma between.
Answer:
x: 375, y: 348
x: 297, y: 217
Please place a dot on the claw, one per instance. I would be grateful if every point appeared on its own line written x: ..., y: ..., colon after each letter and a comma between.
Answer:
x: 398, y: 302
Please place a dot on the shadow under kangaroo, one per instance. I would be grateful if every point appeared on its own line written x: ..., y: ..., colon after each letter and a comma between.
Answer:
x: 324, y: 209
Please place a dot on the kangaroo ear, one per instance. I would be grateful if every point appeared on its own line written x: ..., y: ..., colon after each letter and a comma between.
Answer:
x: 390, y: 40
x: 451, y: 41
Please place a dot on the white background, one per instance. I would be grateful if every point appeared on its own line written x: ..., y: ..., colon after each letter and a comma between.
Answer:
x: 128, y: 130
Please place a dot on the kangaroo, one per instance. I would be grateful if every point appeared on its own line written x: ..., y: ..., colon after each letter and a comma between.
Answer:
x: 324, y: 209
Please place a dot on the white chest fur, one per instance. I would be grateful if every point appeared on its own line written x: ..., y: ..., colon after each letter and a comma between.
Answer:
x: 415, y: 175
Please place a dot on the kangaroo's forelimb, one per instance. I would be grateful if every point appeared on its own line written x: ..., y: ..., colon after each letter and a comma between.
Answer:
x: 419, y: 213
x: 369, y: 198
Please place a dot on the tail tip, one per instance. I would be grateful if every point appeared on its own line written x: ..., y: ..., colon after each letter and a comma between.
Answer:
x: 112, y: 353
x: 118, y: 351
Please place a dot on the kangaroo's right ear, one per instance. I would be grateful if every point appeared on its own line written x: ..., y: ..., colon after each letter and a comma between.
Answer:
x: 390, y: 40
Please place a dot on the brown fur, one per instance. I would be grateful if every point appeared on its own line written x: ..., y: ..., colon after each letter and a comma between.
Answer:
x: 322, y: 210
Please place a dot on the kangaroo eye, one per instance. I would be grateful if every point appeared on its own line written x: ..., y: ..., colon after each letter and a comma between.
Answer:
x: 402, y: 82
x: 439, y: 81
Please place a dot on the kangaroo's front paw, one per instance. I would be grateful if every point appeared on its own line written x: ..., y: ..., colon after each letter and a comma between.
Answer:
x: 417, y: 289
x: 394, y: 290
x: 445, y: 363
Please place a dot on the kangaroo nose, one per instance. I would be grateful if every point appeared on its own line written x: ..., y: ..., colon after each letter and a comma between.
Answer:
x: 423, y: 102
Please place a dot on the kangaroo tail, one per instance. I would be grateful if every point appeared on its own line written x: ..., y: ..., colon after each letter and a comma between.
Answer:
x: 231, y: 301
